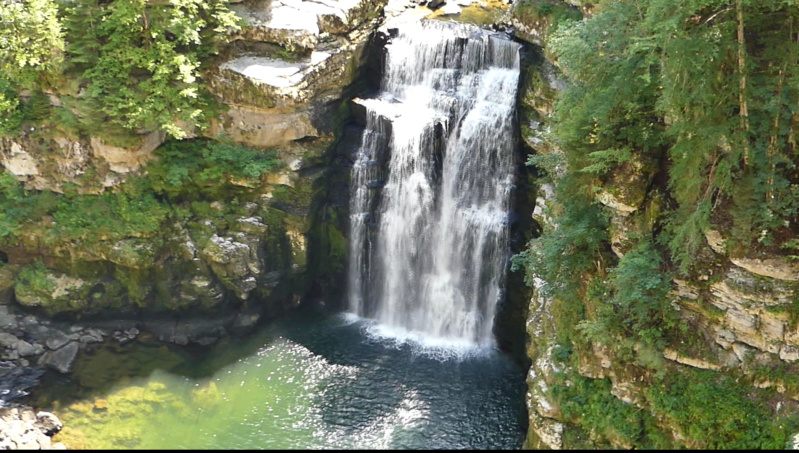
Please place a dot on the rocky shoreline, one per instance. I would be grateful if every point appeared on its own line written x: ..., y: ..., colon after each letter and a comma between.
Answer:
x: 23, y: 429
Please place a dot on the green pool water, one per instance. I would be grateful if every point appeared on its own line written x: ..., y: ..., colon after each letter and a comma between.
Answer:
x: 307, y: 382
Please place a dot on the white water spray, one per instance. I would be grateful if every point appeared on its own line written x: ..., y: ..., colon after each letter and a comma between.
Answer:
x: 429, y: 242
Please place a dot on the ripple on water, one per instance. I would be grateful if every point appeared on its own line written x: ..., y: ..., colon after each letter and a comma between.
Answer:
x: 310, y: 385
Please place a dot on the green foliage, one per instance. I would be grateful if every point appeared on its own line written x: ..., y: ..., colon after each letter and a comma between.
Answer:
x: 15, y: 203
x: 607, y: 116
x: 636, y: 306
x: 37, y: 108
x: 36, y: 277
x: 567, y: 257
x: 184, y: 181
x: 698, y: 98
x: 569, y: 250
x: 716, y: 412
x: 553, y: 11
x: 652, y: 79
x: 202, y: 168
x: 10, y: 112
x: 142, y: 60
x: 589, y: 404
x: 108, y: 215
x: 31, y: 39
x: 87, y: 218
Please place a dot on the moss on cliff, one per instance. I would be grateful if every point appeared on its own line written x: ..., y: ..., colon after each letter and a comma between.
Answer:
x: 692, y: 331
x: 130, y: 248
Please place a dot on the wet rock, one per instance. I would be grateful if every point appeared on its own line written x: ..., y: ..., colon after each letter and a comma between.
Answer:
x: 8, y: 340
x: 26, y: 349
x: 235, y: 261
x: 184, y: 331
x: 28, y: 321
x: 7, y: 319
x: 48, y: 423
x: 253, y: 225
x: 91, y: 336
x: 7, y: 276
x: 62, y: 359
x: 207, y: 341
x: 125, y: 336
x: 16, y: 380
x: 55, y: 339
x: 451, y: 9
x: 245, y: 321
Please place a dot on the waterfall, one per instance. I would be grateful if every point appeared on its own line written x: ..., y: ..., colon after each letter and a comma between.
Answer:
x: 431, y: 183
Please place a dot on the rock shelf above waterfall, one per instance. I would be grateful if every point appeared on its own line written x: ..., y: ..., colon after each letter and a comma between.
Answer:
x: 300, y: 23
x: 289, y: 64
x: 274, y: 72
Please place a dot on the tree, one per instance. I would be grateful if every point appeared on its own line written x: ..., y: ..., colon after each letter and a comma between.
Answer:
x: 142, y: 61
x: 31, y: 39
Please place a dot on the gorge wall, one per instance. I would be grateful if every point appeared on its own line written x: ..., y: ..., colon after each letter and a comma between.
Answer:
x: 113, y: 231
x: 108, y: 232
x: 720, y: 373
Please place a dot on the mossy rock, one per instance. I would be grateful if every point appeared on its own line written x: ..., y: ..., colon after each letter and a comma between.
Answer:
x: 8, y: 274
x: 57, y: 293
x: 135, y: 253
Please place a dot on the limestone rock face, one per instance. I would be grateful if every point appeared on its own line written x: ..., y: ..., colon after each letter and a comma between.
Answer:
x: 295, y: 58
x: 7, y: 276
x: 122, y: 160
x: 531, y: 25
x: 18, y: 161
x: 89, y: 164
x: 542, y: 411
x: 295, y: 23
x: 773, y: 267
x: 56, y: 289
x: 235, y: 260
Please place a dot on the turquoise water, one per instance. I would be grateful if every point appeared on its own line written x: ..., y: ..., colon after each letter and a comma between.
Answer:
x: 307, y: 382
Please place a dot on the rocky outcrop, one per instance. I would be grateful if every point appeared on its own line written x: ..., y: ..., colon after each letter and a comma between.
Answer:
x: 90, y: 164
x: 545, y: 429
x: 284, y: 80
x: 23, y: 429
x: 533, y: 19
x: 290, y: 65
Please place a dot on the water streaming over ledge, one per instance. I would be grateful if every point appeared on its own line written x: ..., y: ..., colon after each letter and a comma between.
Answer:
x: 431, y: 183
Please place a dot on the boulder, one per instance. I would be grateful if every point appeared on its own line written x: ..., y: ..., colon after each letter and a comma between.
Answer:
x: 48, y: 423
x: 235, y: 261
x: 62, y: 359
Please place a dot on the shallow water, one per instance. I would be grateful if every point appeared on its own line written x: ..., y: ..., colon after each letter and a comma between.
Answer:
x: 306, y: 382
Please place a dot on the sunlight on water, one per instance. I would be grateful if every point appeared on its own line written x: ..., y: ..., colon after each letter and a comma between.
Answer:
x: 263, y: 401
x: 331, y: 384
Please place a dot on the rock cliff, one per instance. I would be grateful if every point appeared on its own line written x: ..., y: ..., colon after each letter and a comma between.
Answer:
x: 739, y: 346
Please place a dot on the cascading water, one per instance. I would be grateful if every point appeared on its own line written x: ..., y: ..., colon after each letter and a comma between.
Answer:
x: 429, y: 241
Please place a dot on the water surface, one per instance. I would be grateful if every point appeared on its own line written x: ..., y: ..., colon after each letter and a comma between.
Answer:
x: 307, y: 382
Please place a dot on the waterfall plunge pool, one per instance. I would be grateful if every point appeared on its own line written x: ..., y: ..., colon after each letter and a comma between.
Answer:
x: 308, y: 381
